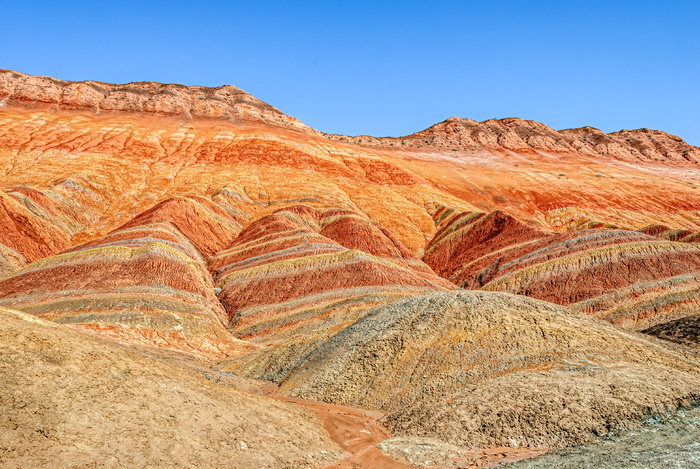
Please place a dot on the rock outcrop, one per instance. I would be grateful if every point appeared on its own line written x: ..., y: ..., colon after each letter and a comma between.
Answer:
x: 470, y: 368
x: 146, y: 98
x: 142, y: 285
x: 519, y: 135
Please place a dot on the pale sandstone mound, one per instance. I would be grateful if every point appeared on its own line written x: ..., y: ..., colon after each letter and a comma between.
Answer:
x: 70, y: 400
x: 10, y: 261
x: 143, y: 285
x: 482, y: 369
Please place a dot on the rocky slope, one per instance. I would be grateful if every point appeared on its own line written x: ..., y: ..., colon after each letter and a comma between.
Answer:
x: 144, y: 284
x: 641, y: 145
x: 223, y: 102
x: 163, y: 154
x: 661, y: 443
x: 203, y: 224
x: 469, y: 368
x: 632, y: 278
x: 70, y: 400
x: 315, y: 286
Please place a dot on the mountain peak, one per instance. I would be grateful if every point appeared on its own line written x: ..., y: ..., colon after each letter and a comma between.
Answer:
x: 146, y: 98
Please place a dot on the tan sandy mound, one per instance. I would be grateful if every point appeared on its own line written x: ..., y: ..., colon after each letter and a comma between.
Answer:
x: 10, y: 261
x: 482, y: 369
x: 70, y: 400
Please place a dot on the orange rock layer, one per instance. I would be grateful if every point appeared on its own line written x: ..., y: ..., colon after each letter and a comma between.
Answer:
x: 630, y: 278
x: 201, y: 220
x: 144, y: 284
x: 286, y: 255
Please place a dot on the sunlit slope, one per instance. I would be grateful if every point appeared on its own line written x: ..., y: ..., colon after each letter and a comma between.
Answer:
x: 144, y: 284
x: 630, y: 278
x: 136, y: 145
x: 483, y: 369
x: 68, y: 399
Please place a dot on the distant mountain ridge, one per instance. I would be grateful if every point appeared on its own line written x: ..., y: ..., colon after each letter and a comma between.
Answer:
x: 147, y: 98
x: 231, y: 103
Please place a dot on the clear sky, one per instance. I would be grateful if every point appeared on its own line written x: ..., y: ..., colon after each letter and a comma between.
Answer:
x: 387, y: 68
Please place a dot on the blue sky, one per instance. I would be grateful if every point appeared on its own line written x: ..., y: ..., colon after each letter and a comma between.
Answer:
x: 388, y: 68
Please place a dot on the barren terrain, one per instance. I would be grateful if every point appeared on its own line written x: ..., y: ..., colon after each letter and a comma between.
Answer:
x: 189, y: 277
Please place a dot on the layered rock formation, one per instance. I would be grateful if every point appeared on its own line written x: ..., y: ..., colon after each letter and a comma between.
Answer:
x: 206, y: 225
x: 315, y: 286
x: 664, y: 232
x: 37, y: 223
x: 144, y: 284
x: 10, y: 261
x: 630, y: 278
x: 203, y: 224
x: 644, y: 304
